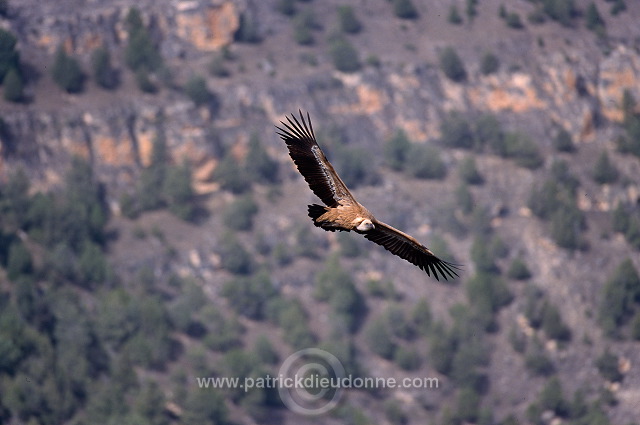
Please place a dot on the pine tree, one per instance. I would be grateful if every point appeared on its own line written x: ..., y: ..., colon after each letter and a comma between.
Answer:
x: 605, y: 172
x: 404, y: 9
x: 9, y: 56
x: 349, y: 23
x: 452, y: 65
x: 13, y: 87
x: 67, y: 73
x: 593, y: 19
x: 103, y: 72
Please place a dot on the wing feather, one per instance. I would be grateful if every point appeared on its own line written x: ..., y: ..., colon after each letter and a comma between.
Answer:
x: 406, y: 247
x: 312, y: 163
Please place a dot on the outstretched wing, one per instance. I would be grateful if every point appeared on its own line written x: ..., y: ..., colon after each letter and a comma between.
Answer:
x: 312, y: 163
x: 406, y: 247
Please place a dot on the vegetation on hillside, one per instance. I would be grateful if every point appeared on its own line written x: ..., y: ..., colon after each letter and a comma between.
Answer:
x: 94, y: 332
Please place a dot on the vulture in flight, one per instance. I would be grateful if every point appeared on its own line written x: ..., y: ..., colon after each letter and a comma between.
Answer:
x: 342, y: 211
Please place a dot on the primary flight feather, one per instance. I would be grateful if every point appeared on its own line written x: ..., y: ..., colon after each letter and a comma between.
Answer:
x: 342, y: 211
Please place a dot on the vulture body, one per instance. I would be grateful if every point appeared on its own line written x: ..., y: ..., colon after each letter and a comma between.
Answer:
x: 342, y: 211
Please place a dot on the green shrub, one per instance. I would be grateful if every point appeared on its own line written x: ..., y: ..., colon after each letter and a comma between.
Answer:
x: 397, y: 149
x: 618, y: 7
x: 567, y: 224
x: 518, y: 340
x: 467, y: 405
x: 348, y: 306
x: 92, y: 265
x: 382, y: 289
x: 394, y: 413
x: 140, y: 53
x: 264, y: 351
x: 103, y: 72
x: 605, y: 171
x: 203, y: 407
x: 424, y: 162
x: 178, y: 192
x: 9, y: 56
x: 546, y: 200
x: 217, y: 67
x: 468, y: 171
x: 518, y: 270
x: 561, y: 174
x: 234, y: 257
x: 456, y: 132
x: 153, y: 177
x: 144, y: 82
x: 521, y: 148
x: 632, y: 235
x: 539, y: 363
x: 13, y: 86
x: 247, y: 31
x: 454, y: 15
x: 290, y: 316
x: 379, y: 340
x: 551, y: 398
x: 249, y: 296
x: 330, y: 277
x: 464, y: 198
x: 553, y: 325
x: 404, y: 9
x: 260, y: 165
x: 286, y: 7
x: 408, y: 359
x: 488, y: 131
x: 635, y: 327
x: 231, y: 175
x: 489, y: 290
x: 502, y: 11
x: 19, y: 261
x: 442, y: 348
x: 556, y: 193
x: 562, y: 11
x: 349, y: 23
x: 620, y: 218
x: 421, y: 317
x: 537, y: 17
x: 484, y: 259
x: 471, y: 10
x: 619, y: 296
x: 452, y: 65
x: 562, y: 141
x: 344, y: 55
x: 350, y: 247
x: 66, y: 72
x: 239, y: 215
x: 489, y: 64
x: 398, y: 324
x: 608, y: 366
x: 302, y: 31
x: 196, y: 89
x: 513, y: 21
x: 593, y: 19
x: 354, y: 165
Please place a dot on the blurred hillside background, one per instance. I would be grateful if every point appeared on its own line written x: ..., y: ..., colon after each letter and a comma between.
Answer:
x: 154, y: 230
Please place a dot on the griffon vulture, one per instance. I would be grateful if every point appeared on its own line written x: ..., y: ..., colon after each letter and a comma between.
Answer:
x: 342, y: 212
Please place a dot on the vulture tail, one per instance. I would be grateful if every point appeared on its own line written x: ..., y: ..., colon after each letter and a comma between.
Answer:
x: 315, y: 211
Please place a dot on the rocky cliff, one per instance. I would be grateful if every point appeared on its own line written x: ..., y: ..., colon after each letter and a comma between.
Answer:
x: 570, y: 88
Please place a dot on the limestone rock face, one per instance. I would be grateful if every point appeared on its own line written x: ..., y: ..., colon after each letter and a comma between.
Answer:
x: 570, y: 89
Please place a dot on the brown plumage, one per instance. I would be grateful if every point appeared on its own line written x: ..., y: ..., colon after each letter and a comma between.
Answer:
x: 342, y: 211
